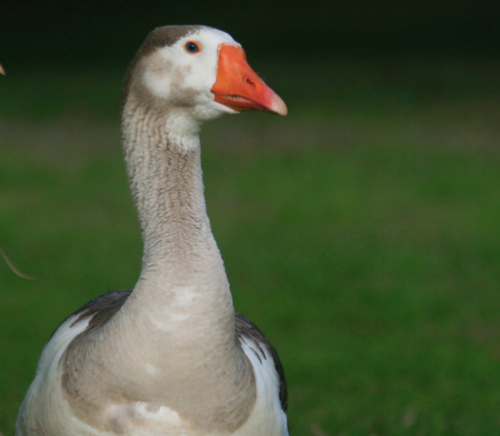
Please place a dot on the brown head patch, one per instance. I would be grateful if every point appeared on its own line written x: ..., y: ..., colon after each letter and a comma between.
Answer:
x: 166, y: 35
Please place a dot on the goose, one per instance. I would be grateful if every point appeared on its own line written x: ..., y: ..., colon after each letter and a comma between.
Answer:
x: 170, y: 357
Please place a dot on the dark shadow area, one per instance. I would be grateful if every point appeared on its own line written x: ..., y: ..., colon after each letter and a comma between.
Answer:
x: 78, y: 32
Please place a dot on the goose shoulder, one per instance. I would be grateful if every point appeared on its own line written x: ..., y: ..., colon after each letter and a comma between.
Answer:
x: 98, y: 311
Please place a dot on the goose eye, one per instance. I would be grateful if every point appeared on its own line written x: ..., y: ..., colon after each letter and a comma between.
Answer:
x: 192, y: 47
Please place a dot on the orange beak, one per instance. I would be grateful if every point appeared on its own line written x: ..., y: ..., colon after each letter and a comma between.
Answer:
x: 237, y: 86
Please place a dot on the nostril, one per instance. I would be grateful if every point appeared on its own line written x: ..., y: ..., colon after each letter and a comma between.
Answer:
x: 249, y: 81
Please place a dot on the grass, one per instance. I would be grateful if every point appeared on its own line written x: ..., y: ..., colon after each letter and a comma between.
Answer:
x: 360, y: 233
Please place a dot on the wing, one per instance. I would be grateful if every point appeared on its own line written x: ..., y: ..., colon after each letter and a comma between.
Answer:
x: 100, y: 309
x: 246, y: 329
x: 44, y: 400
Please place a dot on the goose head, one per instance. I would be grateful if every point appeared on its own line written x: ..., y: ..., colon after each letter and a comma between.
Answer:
x: 198, y: 70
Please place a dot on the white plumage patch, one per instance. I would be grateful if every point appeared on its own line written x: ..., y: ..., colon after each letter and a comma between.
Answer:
x: 267, y: 418
x: 196, y: 71
x: 63, y: 336
x: 142, y: 414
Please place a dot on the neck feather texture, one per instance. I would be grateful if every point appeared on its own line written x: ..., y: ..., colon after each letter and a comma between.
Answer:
x: 165, y: 176
x: 173, y: 341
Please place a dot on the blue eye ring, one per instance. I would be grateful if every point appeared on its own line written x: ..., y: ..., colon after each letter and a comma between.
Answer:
x: 192, y: 47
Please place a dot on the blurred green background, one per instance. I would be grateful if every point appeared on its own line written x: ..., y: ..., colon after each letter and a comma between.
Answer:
x: 361, y: 232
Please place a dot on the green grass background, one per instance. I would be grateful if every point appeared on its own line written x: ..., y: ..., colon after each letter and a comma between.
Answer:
x: 361, y: 232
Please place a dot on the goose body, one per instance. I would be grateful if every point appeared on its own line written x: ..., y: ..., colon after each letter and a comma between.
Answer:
x: 170, y: 357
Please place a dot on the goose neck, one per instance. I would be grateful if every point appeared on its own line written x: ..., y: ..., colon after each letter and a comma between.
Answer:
x: 164, y: 167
